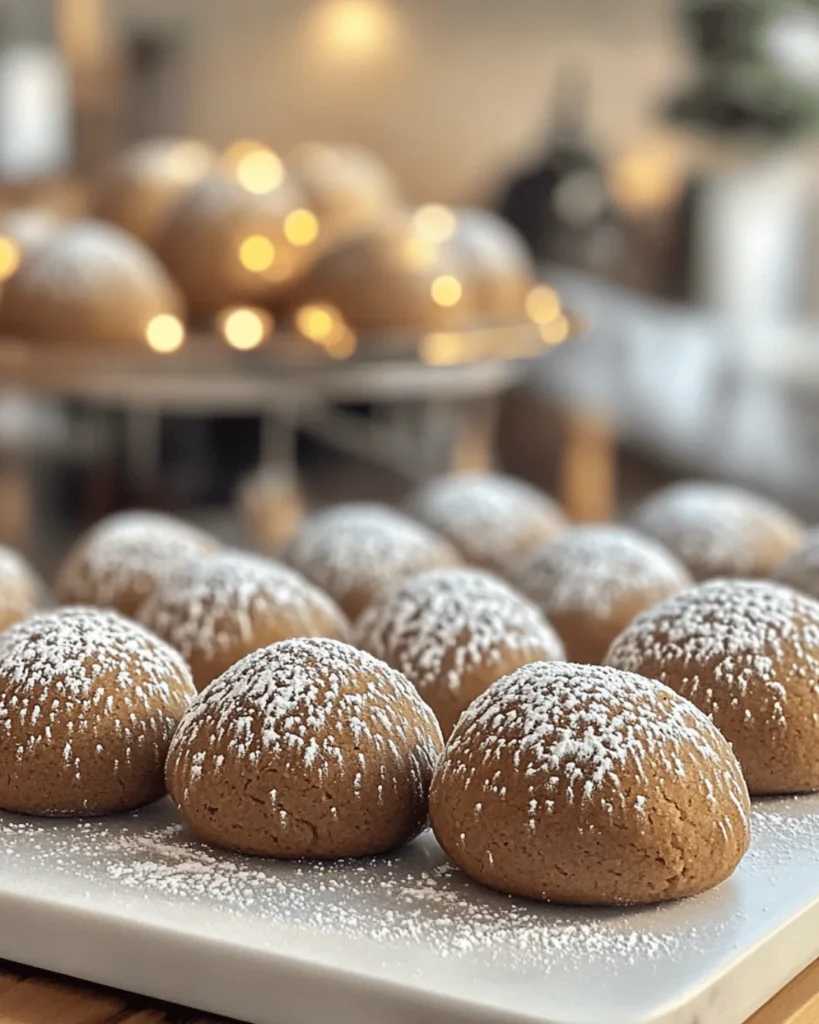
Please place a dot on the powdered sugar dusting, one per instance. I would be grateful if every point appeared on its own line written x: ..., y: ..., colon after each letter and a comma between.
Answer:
x: 307, y: 702
x: 209, y: 603
x: 494, y: 520
x: 578, y: 732
x: 716, y: 529
x: 459, y: 618
x: 726, y: 639
x: 592, y: 568
x: 356, y: 551
x: 129, y: 553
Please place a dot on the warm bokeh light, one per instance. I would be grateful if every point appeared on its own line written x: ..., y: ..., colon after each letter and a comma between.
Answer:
x: 318, y: 322
x: 418, y: 252
x: 255, y: 166
x: 257, y: 253
x: 557, y: 331
x: 446, y: 290
x: 244, y: 328
x: 542, y: 304
x: 442, y: 348
x: 647, y: 178
x: 301, y: 227
x: 9, y: 257
x: 353, y: 30
x: 165, y: 333
x: 342, y: 344
x: 435, y: 223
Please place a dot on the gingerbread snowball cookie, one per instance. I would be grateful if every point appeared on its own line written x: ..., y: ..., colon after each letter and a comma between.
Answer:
x: 120, y: 560
x: 20, y: 588
x: 453, y: 632
x: 582, y: 784
x: 591, y: 581
x: 747, y: 653
x: 356, y: 551
x: 88, y: 702
x: 718, y: 530
x: 217, y: 610
x: 306, y: 748
x: 493, y: 520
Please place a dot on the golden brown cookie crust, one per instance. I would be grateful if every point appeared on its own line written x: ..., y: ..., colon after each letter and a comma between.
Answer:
x: 222, y: 607
x: 453, y: 632
x: 591, y: 581
x: 306, y: 748
x: 747, y: 653
x: 88, y: 704
x: 582, y: 784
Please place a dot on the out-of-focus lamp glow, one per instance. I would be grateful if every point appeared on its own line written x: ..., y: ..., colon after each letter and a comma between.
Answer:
x: 542, y: 304
x: 353, y: 30
x: 645, y: 179
x: 245, y: 328
x: 555, y: 332
x: 442, y: 348
x: 9, y: 257
x: 318, y: 322
x: 435, y: 223
x: 257, y: 253
x: 301, y: 227
x: 255, y: 166
x: 342, y: 344
x: 446, y: 290
x: 189, y: 161
x: 165, y: 333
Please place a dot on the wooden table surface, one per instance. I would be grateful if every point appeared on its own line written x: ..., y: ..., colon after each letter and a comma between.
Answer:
x: 28, y: 996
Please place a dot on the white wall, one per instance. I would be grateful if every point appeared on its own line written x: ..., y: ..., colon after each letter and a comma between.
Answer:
x: 462, y: 95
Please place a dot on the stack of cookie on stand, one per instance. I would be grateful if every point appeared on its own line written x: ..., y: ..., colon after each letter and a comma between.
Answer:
x: 580, y: 712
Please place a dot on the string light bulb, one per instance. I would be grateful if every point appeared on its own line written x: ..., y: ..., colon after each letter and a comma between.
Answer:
x: 245, y: 328
x: 301, y: 227
x: 257, y: 253
x: 9, y: 257
x: 542, y: 304
x: 446, y: 290
x: 435, y: 223
x: 257, y: 168
x: 318, y: 322
x: 165, y: 333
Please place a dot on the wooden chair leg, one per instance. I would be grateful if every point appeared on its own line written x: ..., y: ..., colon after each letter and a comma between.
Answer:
x: 588, y: 471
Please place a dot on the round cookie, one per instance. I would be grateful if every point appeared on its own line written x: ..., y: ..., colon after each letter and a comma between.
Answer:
x: 226, y: 246
x: 89, y: 702
x: 120, y: 560
x: 88, y: 282
x: 20, y: 588
x: 356, y: 551
x: 139, y: 188
x: 801, y: 569
x: 306, y: 748
x: 499, y: 265
x: 216, y: 610
x: 582, y: 784
x: 495, y: 521
x: 452, y: 633
x: 718, y: 530
x: 747, y: 653
x: 591, y: 581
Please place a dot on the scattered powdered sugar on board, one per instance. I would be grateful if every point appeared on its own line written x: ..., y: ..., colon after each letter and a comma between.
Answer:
x: 493, y: 519
x: 208, y: 603
x: 714, y: 527
x: 588, y: 734
x: 317, y: 705
x: 591, y: 568
x: 748, y: 636
x: 459, y: 618
x: 411, y: 898
x: 130, y: 551
x: 367, y: 547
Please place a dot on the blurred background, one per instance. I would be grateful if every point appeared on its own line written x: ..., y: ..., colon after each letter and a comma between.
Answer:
x: 355, y: 243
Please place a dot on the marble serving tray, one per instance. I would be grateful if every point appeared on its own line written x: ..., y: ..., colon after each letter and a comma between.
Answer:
x: 135, y: 902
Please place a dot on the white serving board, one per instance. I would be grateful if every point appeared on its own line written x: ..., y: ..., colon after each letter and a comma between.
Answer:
x: 135, y: 902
